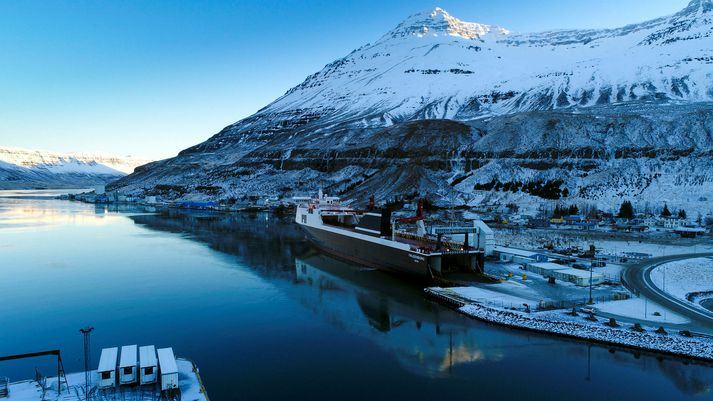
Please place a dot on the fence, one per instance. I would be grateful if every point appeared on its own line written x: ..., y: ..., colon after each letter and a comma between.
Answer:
x: 573, y: 303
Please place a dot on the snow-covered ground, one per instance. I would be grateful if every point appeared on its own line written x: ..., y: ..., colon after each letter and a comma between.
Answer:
x: 559, y: 322
x: 685, y: 277
x: 537, y: 288
x: 655, y: 244
x: 641, y: 309
x: 490, y: 297
x: 30, y: 390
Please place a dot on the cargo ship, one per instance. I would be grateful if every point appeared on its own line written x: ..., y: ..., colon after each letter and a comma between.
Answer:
x: 372, y: 238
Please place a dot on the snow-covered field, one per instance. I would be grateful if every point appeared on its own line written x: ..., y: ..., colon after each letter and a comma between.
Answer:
x: 641, y: 309
x: 685, y: 277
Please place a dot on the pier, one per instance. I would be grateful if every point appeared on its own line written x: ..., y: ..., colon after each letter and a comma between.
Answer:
x: 190, y: 388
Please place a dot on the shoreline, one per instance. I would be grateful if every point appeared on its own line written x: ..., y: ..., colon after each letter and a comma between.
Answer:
x: 570, y: 327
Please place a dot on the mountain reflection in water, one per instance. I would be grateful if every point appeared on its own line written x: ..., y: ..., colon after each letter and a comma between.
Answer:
x: 390, y: 311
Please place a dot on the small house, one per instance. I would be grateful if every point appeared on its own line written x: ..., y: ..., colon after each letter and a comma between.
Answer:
x: 148, y: 365
x: 106, y: 372
x: 127, y: 365
x: 168, y: 369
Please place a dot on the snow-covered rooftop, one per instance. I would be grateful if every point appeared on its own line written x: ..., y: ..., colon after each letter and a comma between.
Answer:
x: 128, y: 356
x: 147, y: 356
x: 167, y: 361
x: 107, y: 361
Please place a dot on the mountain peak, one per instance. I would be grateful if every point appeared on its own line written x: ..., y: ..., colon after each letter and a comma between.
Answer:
x: 438, y: 22
x: 699, y: 7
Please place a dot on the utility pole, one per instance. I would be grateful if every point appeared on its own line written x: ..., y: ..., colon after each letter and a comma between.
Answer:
x: 85, y: 332
x: 591, y: 301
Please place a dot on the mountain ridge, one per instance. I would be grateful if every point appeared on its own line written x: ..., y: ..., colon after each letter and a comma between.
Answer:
x: 588, y: 95
x: 24, y: 169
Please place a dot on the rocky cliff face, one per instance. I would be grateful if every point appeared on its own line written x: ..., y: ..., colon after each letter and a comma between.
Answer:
x: 461, y: 111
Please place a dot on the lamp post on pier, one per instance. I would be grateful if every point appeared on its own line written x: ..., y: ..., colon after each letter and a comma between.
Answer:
x: 85, y: 332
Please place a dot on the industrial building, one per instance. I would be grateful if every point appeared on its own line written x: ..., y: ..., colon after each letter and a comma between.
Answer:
x: 106, y: 373
x: 148, y: 365
x: 545, y: 269
x: 520, y: 256
x: 580, y: 278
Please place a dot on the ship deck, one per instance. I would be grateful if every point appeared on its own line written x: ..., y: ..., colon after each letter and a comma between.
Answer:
x: 427, y: 246
x: 189, y: 382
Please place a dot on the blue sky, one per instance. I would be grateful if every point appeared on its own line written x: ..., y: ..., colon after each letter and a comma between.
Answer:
x: 149, y: 78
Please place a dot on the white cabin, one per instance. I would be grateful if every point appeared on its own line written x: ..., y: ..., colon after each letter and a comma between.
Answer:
x: 128, y: 365
x: 148, y: 365
x: 106, y: 372
x: 168, y: 369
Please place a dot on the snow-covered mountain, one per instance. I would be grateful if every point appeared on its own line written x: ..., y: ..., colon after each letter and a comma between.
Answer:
x: 447, y: 107
x: 21, y: 168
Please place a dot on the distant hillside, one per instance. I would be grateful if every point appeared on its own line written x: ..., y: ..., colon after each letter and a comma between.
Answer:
x: 28, y: 169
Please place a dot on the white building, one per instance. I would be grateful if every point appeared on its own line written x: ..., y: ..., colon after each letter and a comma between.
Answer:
x: 148, y: 365
x: 168, y: 369
x: 127, y: 365
x: 106, y: 372
x: 673, y: 222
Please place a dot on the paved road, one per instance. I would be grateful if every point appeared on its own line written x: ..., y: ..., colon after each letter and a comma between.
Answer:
x: 638, y: 278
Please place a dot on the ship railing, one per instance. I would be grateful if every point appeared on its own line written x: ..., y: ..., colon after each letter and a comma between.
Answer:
x: 426, y: 240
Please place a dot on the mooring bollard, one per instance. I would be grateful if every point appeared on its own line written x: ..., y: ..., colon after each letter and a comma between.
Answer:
x: 661, y: 330
x: 637, y: 327
x: 612, y: 322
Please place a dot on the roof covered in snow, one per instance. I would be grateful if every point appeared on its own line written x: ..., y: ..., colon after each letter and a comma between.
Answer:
x: 147, y: 356
x: 128, y: 356
x: 167, y: 361
x: 107, y: 361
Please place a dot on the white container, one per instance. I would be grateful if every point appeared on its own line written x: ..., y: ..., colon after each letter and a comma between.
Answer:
x: 168, y: 369
x: 128, y: 365
x: 106, y: 373
x: 148, y: 365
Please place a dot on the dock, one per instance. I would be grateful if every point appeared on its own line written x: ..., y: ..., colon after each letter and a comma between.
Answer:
x: 45, y: 389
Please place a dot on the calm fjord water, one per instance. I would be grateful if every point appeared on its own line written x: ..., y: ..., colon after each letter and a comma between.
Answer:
x: 267, y: 317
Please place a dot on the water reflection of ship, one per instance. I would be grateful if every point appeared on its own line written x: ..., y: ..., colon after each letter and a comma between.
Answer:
x: 426, y: 338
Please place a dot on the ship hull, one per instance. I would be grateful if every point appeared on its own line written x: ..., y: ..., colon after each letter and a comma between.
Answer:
x: 372, y: 254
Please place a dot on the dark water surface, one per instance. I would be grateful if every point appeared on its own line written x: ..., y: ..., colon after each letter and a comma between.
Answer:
x: 266, y: 317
